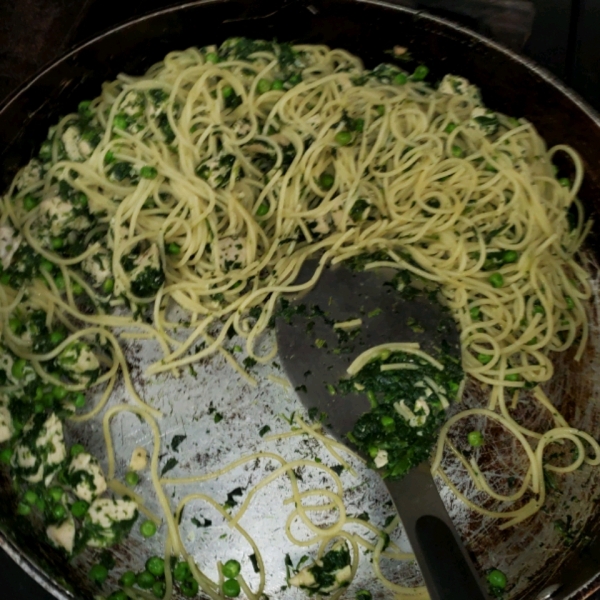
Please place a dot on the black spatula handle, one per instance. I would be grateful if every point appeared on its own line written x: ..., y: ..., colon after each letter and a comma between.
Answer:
x: 444, y: 562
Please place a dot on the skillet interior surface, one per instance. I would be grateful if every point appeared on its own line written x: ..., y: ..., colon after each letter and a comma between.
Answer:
x: 508, y: 84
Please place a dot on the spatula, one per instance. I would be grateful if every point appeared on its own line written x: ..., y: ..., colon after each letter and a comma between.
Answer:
x: 344, y: 294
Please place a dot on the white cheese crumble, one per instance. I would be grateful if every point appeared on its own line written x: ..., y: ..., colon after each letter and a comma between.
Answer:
x: 303, y: 578
x: 459, y: 86
x: 104, y: 514
x: 47, y: 453
x: 52, y: 440
x: 57, y: 212
x: 408, y: 415
x: 71, y: 139
x: 91, y: 482
x: 63, y: 535
x: 381, y: 459
x: 139, y: 459
x: 6, y: 425
x: 79, y: 359
x: 10, y: 241
x: 28, y: 175
x: 97, y: 266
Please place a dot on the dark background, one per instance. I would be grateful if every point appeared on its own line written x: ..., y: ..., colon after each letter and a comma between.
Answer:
x: 558, y: 34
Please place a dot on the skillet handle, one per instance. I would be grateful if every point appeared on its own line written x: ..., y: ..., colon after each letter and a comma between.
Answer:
x: 444, y: 562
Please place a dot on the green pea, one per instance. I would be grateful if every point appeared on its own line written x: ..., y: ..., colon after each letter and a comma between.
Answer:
x: 79, y: 508
x: 132, y: 479
x: 59, y: 511
x: 475, y: 439
x: 231, y: 588
x: 29, y: 202
x: 227, y: 91
x: 38, y: 408
x: 30, y: 497
x: 56, y: 337
x: 55, y: 493
x: 158, y: 589
x: 539, y: 310
x: 156, y: 566
x: 277, y: 85
x: 496, y: 279
x: 59, y: 392
x: 387, y: 421
x: 5, y: 456
x: 570, y: 303
x: 148, y: 172
x: 212, y: 57
x: 450, y: 127
x: 263, y: 86
x: 46, y: 265
x: 77, y: 288
x: 59, y: 282
x: 512, y: 377
x: 147, y: 529
x: 262, y: 210
x: 400, y: 79
x: 109, y: 157
x: 15, y: 325
x: 497, y: 579
x: 23, y: 509
x: 231, y: 568
x: 182, y: 571
x: 83, y: 108
x: 127, y: 579
x: 363, y: 595
x: 189, y: 588
x: 173, y: 248
x: 484, y: 359
x: 457, y: 152
x: 81, y: 200
x: 18, y: 368
x: 326, y: 181
x: 564, y: 181
x: 475, y: 313
x: 98, y: 573
x: 420, y: 73
x: 359, y: 125
x: 510, y: 256
x: 120, y: 122
x: 343, y: 138
x: 373, y: 451
x: 46, y: 150
x: 108, y: 286
x: 145, y: 580
x: 79, y: 400
x: 77, y: 449
x: 57, y: 243
x: 118, y: 595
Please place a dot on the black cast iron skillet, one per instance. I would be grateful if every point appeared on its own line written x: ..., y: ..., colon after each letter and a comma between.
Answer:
x: 367, y: 28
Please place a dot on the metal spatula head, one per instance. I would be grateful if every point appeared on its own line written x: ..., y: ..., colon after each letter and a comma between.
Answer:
x: 316, y: 355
